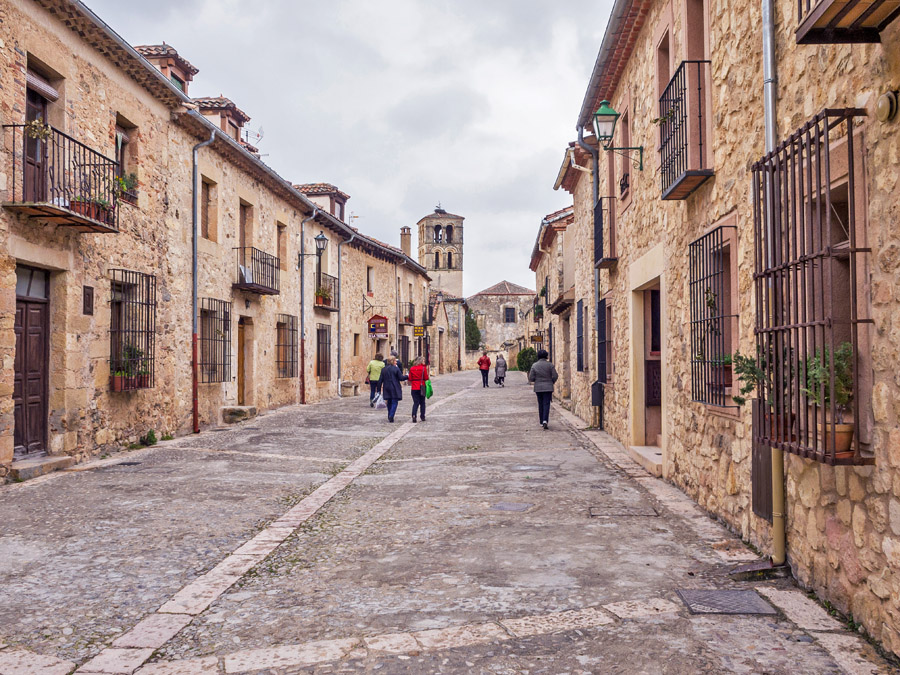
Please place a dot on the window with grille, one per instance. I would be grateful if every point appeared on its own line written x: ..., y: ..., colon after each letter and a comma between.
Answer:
x: 579, y: 337
x: 286, y: 346
x: 215, y: 340
x: 404, y: 350
x: 132, y: 330
x: 509, y: 314
x: 323, y: 352
x: 604, y: 242
x: 604, y: 341
x: 713, y: 320
x: 814, y: 359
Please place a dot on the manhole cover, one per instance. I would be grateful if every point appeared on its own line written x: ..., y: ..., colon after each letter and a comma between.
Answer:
x: 621, y: 511
x: 511, y: 506
x: 532, y: 467
x: 724, y: 602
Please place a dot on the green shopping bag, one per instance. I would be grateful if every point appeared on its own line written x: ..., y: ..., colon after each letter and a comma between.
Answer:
x: 429, y: 392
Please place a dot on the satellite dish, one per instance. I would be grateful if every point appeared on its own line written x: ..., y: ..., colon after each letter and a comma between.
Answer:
x: 253, y: 137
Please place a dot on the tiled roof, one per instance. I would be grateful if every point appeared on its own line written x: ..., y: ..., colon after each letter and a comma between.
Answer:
x: 441, y: 214
x: 220, y: 103
x: 558, y: 215
x: 506, y: 288
x: 321, y: 189
x: 155, y: 51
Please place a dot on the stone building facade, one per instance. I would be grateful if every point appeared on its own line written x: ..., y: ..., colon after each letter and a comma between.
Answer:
x: 503, y: 314
x: 694, y: 248
x: 96, y: 235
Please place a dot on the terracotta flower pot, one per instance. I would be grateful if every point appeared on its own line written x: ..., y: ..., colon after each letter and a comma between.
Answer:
x: 86, y: 209
x: 118, y: 382
x: 843, y: 438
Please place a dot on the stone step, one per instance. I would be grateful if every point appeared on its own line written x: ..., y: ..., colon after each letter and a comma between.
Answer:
x: 25, y: 469
x: 648, y: 456
x: 238, y: 413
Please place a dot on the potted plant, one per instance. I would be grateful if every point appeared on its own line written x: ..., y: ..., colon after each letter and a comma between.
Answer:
x: 721, y: 372
x: 132, y: 357
x: 38, y: 130
x: 818, y: 391
x: 323, y: 296
x: 126, y: 186
x: 85, y: 206
x: 751, y: 375
x: 118, y: 380
x: 143, y: 375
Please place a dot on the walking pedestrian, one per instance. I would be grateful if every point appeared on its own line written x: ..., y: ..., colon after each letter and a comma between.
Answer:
x: 500, y: 370
x: 373, y: 372
x: 418, y: 375
x: 543, y: 374
x: 391, y: 377
x: 484, y: 365
x: 397, y: 357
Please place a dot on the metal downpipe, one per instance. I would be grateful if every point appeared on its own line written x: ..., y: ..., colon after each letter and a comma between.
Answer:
x: 303, y: 222
x: 779, y: 543
x: 340, y: 311
x: 195, y: 208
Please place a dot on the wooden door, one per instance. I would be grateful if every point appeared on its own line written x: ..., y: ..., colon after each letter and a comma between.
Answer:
x: 240, y: 362
x: 35, y: 187
x: 30, y: 381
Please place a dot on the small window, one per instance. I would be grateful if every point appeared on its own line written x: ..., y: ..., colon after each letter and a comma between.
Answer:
x: 370, y: 279
x: 282, y: 244
x: 339, y: 210
x: 438, y: 234
x: 323, y: 352
x: 286, y: 345
x: 126, y: 150
x: 509, y: 314
x: 604, y: 341
x: 215, y: 340
x: 625, y: 160
x: 449, y: 236
x: 245, y: 224
x: 655, y: 327
x: 177, y: 81
x: 132, y: 330
x: 356, y: 344
x: 208, y: 209
x: 437, y: 260
x: 449, y: 260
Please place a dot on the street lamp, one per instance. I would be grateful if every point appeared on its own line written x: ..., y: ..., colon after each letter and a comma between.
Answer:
x: 321, y: 244
x: 605, y: 119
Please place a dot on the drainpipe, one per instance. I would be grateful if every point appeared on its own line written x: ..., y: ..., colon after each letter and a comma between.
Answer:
x: 769, y: 94
x: 595, y: 171
x: 195, y: 209
x: 340, y: 310
x: 303, y: 222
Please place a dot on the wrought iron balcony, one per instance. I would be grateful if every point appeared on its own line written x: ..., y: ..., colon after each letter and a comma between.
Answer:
x: 328, y: 293
x: 407, y: 314
x: 428, y: 315
x: 60, y: 180
x: 257, y: 271
x: 843, y: 21
x: 683, y: 149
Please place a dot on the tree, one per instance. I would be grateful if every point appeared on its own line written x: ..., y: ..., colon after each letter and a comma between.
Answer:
x: 473, y: 333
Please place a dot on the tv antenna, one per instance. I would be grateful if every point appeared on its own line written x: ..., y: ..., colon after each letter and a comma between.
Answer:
x: 253, y: 137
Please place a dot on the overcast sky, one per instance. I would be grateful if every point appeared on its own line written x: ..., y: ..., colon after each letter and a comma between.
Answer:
x: 401, y: 103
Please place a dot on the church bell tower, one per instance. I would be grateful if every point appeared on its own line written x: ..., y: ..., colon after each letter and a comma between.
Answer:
x: 441, y: 250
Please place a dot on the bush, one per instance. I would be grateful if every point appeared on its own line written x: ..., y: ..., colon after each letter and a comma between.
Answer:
x: 526, y: 359
x: 149, y: 439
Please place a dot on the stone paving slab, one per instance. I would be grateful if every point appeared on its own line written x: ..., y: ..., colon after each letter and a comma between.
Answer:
x: 314, y: 652
x: 153, y: 631
x: 21, y: 662
x: 116, y: 661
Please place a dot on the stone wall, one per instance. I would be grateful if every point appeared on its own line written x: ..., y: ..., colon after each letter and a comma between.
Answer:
x: 496, y: 334
x: 843, y: 523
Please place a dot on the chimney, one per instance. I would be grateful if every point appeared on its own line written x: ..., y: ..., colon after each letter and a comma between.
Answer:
x: 406, y: 241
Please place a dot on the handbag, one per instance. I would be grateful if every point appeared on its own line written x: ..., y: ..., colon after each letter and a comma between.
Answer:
x: 497, y: 379
x: 429, y: 392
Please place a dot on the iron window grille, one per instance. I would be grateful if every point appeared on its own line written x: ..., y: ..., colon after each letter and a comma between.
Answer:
x: 328, y: 292
x: 215, y: 340
x: 132, y: 330
x: 287, y: 346
x: 683, y: 164
x: 810, y: 262
x: 407, y: 313
x: 579, y: 337
x: 323, y: 352
x: 712, y: 325
x: 509, y: 314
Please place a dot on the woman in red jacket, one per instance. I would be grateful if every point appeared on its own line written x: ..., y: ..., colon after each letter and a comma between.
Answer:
x: 418, y: 375
x: 484, y: 365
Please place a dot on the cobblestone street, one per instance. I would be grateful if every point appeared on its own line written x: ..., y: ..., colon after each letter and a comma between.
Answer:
x: 322, y: 539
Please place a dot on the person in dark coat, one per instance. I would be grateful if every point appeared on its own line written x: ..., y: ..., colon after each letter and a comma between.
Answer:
x: 543, y: 375
x: 500, y: 370
x: 391, y: 377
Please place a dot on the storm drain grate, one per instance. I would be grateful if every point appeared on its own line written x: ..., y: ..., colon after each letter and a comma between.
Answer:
x: 724, y: 602
x: 622, y: 511
x: 511, y: 506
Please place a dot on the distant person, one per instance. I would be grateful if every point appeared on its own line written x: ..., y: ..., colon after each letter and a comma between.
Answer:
x: 543, y: 374
x: 391, y: 377
x: 418, y: 375
x: 484, y: 365
x: 500, y: 370
x: 373, y: 372
x: 397, y: 358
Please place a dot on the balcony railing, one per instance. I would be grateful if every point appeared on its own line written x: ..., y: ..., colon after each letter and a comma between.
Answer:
x: 843, y: 21
x: 683, y: 149
x: 257, y: 271
x: 328, y: 293
x: 407, y: 313
x: 428, y: 315
x: 60, y: 180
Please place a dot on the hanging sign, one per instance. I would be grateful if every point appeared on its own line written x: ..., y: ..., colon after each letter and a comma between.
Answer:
x: 537, y: 338
x: 418, y: 331
x: 378, y: 325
